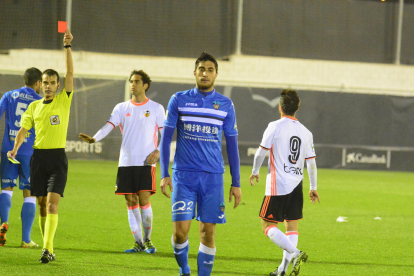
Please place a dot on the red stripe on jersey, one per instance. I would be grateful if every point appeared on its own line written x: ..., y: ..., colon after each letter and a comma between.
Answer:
x: 138, y: 104
x: 264, y: 148
x: 290, y: 117
x: 111, y: 123
x: 156, y: 136
x: 273, y: 188
x: 310, y: 158
x: 120, y: 127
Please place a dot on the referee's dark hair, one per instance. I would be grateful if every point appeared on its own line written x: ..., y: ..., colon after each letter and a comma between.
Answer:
x: 204, y: 57
x: 31, y: 76
x: 144, y: 76
x: 50, y: 73
x: 289, y: 101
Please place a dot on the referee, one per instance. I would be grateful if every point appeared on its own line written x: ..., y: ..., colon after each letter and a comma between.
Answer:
x: 49, y: 165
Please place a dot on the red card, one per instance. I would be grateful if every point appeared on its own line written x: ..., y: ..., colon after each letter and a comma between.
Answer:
x: 62, y: 26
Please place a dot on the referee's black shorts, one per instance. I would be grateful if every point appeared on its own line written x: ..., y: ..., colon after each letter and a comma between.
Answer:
x: 284, y: 207
x: 48, y: 171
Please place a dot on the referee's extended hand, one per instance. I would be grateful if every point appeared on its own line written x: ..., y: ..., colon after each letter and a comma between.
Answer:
x: 11, y: 153
x: 236, y: 192
x: 87, y: 138
x: 166, y: 181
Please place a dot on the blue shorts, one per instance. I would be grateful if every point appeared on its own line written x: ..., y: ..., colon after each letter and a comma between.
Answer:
x: 198, y: 188
x: 10, y: 172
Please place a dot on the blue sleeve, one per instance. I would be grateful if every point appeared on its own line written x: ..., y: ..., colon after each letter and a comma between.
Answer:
x: 171, y: 116
x: 165, y: 148
x: 234, y: 160
x: 229, y: 124
x: 3, y: 104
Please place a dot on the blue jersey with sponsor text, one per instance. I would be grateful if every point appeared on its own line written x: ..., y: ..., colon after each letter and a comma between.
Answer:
x: 200, y: 121
x: 15, y: 103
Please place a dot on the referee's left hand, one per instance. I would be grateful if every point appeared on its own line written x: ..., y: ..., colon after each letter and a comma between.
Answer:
x: 236, y: 192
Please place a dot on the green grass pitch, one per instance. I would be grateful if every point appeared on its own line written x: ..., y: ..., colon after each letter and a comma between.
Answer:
x: 93, y: 229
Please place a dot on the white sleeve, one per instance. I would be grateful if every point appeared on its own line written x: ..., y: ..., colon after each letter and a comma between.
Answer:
x: 258, y: 160
x: 312, y: 172
x: 103, y: 132
x: 115, y: 118
x: 268, y: 137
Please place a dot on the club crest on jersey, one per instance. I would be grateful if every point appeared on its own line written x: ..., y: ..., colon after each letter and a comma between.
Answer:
x: 222, y: 207
x: 147, y: 113
x: 216, y: 104
x: 54, y: 120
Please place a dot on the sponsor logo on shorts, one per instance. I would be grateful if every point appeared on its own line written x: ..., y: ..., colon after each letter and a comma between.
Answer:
x: 270, y: 216
x: 180, y: 207
x: 222, y: 216
x: 6, y: 181
x: 116, y: 188
x: 54, y: 120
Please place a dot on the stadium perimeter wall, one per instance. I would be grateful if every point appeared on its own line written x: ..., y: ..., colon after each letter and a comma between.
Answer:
x: 359, y: 113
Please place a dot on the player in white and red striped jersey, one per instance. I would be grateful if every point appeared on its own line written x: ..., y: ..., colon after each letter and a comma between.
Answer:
x: 290, y: 144
x: 139, y: 120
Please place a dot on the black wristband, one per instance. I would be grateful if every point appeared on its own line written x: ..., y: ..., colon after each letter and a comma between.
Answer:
x: 67, y: 46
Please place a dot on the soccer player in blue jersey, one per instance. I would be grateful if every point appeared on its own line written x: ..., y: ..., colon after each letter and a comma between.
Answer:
x: 200, y: 116
x: 14, y: 103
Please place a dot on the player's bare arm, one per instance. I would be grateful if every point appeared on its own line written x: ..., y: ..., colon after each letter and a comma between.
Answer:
x: 18, y: 142
x: 313, y: 195
x: 67, y: 39
x: 153, y: 157
x: 252, y: 177
x: 166, y: 181
x: 236, y: 192
x: 87, y: 138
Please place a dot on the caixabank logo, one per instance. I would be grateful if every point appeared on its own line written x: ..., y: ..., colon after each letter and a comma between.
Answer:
x: 358, y: 157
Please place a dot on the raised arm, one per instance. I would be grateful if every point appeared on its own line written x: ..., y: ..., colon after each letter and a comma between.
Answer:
x: 67, y: 39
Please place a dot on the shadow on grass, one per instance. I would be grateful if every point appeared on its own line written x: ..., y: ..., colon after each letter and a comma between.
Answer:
x: 170, y: 255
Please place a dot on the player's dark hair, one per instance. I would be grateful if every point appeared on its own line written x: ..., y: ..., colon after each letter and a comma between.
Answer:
x: 51, y: 73
x: 289, y: 101
x: 204, y: 57
x: 144, y: 76
x: 31, y: 76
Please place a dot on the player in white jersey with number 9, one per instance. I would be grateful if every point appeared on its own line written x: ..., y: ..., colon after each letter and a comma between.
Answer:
x: 139, y: 119
x: 289, y: 144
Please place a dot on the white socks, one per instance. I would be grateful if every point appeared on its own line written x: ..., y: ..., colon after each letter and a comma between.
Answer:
x: 134, y: 218
x: 293, y: 238
x: 278, y: 238
x: 146, y: 213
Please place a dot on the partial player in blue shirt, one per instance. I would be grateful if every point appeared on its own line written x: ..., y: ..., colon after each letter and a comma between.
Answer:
x: 201, y: 115
x: 14, y: 103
